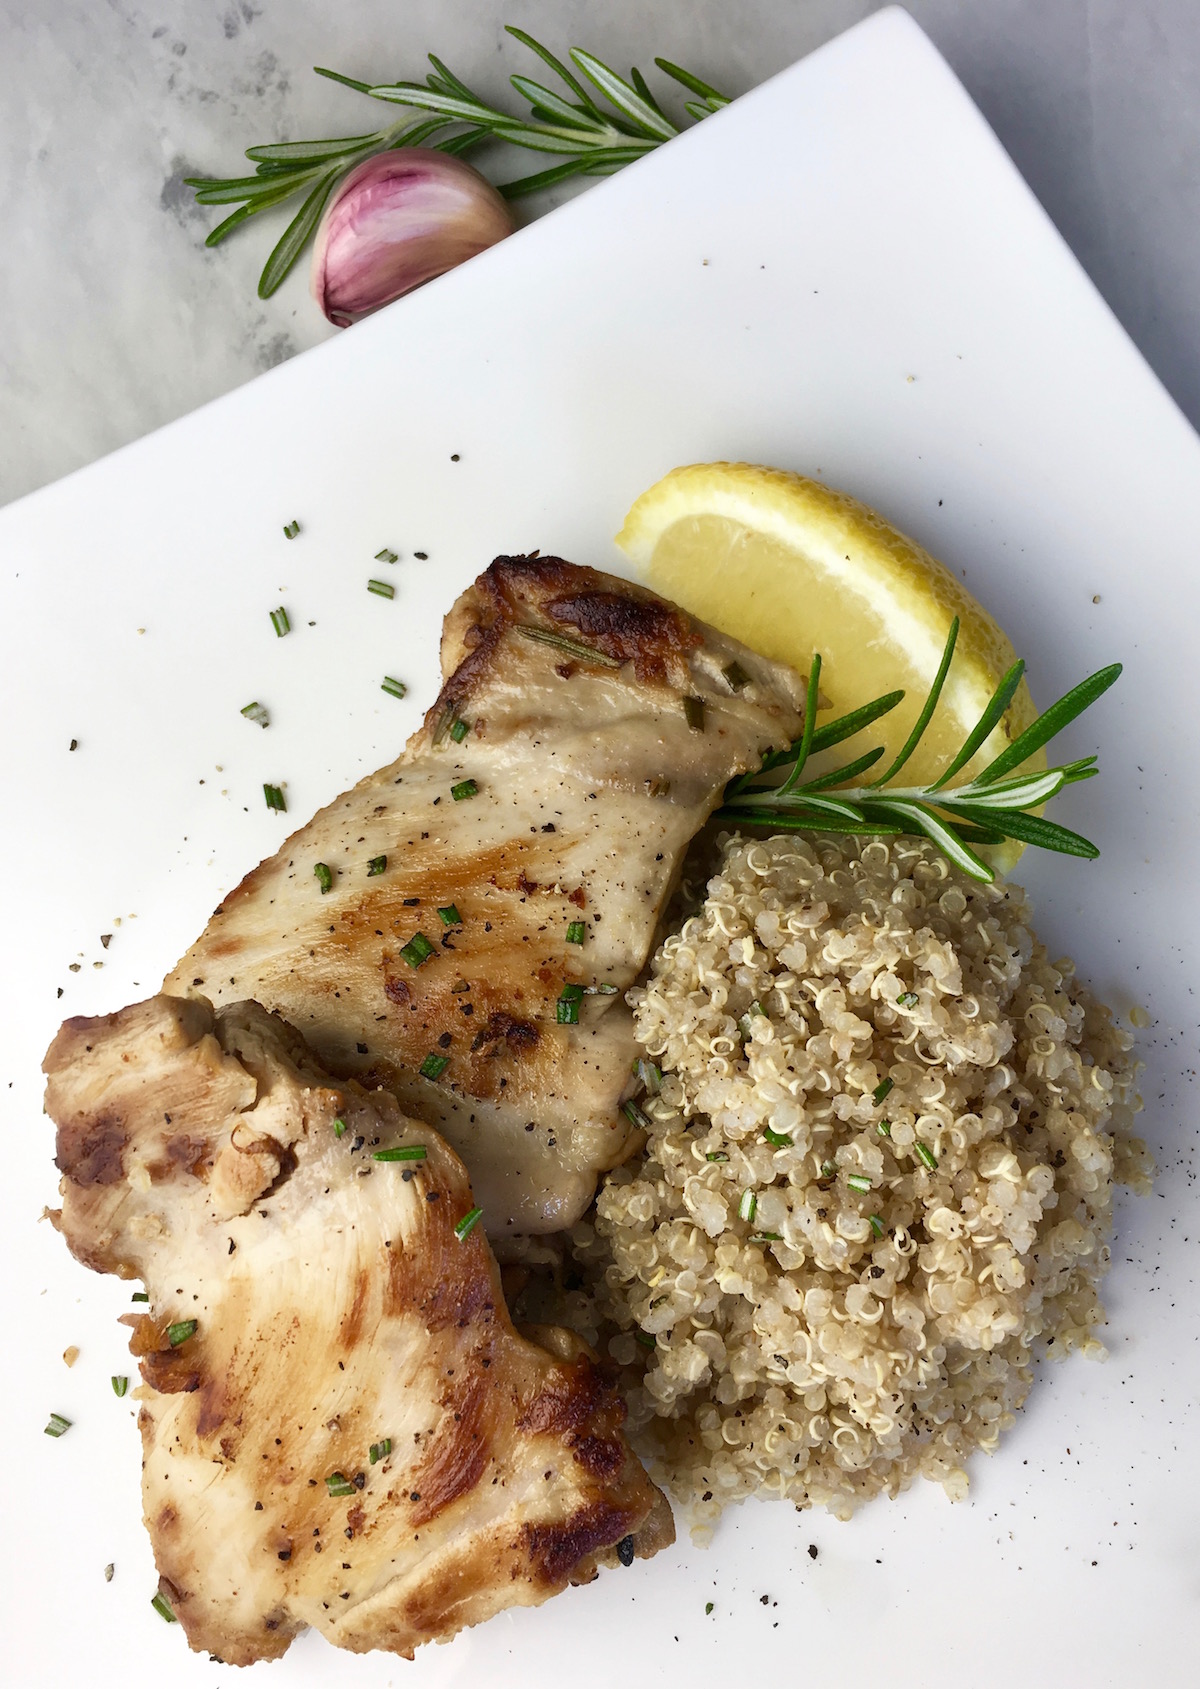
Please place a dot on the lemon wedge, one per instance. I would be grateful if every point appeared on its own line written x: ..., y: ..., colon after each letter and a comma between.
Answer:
x: 792, y: 567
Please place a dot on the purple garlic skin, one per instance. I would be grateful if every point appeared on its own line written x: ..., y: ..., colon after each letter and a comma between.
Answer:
x: 399, y: 219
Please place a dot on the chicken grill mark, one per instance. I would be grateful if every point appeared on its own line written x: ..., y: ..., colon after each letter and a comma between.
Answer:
x: 335, y: 1307
x: 590, y: 784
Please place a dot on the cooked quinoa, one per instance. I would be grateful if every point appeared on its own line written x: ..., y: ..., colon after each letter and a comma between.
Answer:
x: 878, y: 1177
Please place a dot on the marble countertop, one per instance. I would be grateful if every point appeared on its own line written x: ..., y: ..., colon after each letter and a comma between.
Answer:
x: 116, y: 318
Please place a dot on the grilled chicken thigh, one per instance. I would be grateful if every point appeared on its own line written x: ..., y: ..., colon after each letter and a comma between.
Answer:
x: 524, y: 843
x: 341, y: 1427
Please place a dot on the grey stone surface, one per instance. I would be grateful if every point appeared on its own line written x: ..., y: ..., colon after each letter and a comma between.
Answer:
x: 114, y: 317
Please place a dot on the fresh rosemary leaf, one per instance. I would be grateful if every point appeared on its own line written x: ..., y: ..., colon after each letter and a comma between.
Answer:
x: 693, y: 83
x: 556, y: 65
x: 405, y: 1152
x: 522, y: 185
x: 626, y: 98
x: 1001, y: 698
x: 433, y: 1066
x: 376, y: 865
x: 1035, y: 830
x: 810, y: 725
x: 324, y: 877
x: 849, y: 772
x: 922, y: 820
x: 346, y: 81
x: 1017, y: 792
x: 927, y: 709
x: 543, y: 101
x: 295, y: 237
x: 307, y: 152
x: 1050, y: 722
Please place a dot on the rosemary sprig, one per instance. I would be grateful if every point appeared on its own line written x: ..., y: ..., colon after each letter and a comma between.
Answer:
x: 587, y: 137
x: 993, y: 806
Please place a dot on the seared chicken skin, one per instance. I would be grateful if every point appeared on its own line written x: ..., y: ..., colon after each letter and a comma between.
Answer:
x: 341, y: 1427
x: 525, y: 842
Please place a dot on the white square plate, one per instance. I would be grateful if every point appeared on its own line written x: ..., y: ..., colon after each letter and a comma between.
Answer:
x: 842, y: 274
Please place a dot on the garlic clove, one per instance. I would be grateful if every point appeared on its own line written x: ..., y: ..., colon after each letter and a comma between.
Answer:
x: 398, y: 220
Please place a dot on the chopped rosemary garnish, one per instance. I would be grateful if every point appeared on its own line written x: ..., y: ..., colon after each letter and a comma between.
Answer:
x: 337, y: 1484
x: 693, y: 713
x: 858, y: 1181
x: 993, y: 806
x: 636, y: 1116
x: 716, y: 1155
x: 417, y: 951
x: 402, y: 1152
x: 324, y: 877
x: 877, y: 1225
x: 572, y: 647
x: 393, y: 687
x: 736, y: 675
x: 291, y: 529
x: 645, y: 1339
x: 387, y: 555
x: 778, y: 1140
x: 56, y: 1425
x: 708, y: 1607
x: 256, y: 713
x: 381, y: 589
x: 566, y: 1009
x: 120, y: 1383
x: 376, y: 865
x: 464, y: 789
x: 881, y: 1090
x: 755, y: 1009
x: 433, y: 1065
x: 449, y: 916
x: 466, y: 1224
x: 884, y: 1128
x: 576, y: 932
x: 280, y: 622
x: 764, y: 1237
x: 748, y: 1206
x: 159, y: 1601
x: 381, y: 1450
x: 459, y: 730
x: 140, y: 1296
x: 907, y: 1000
x: 275, y: 799
x: 650, y: 1075
x: 181, y: 1331
x: 926, y: 1155
x: 339, y: 1128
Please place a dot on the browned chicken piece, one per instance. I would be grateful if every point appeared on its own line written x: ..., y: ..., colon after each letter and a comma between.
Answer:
x: 525, y: 842
x: 341, y: 1427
